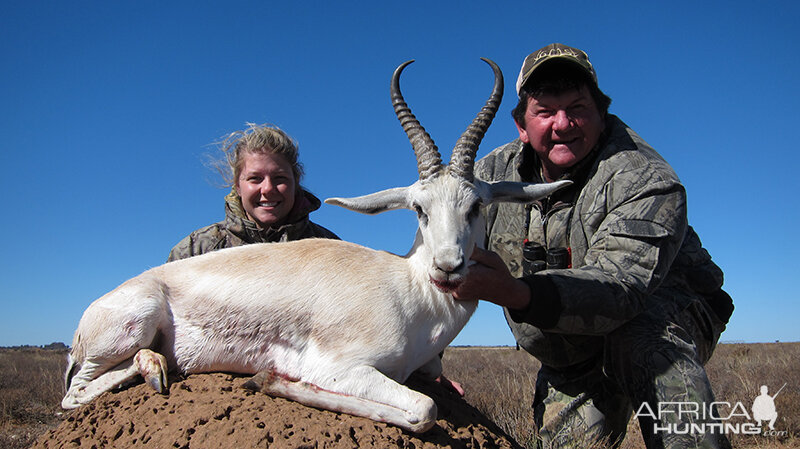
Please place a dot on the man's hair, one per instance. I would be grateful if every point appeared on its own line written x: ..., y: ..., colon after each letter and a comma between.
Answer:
x: 256, y: 139
x: 554, y: 79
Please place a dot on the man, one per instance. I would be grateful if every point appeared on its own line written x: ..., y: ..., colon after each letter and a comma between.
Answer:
x: 764, y: 407
x: 635, y: 307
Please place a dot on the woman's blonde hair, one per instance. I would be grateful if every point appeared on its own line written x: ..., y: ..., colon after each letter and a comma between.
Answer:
x: 256, y: 139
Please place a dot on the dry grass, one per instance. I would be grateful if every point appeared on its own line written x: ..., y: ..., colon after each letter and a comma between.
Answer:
x: 31, y: 389
x: 737, y: 372
x: 498, y: 381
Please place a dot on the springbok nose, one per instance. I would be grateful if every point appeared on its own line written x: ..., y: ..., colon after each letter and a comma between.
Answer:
x: 449, y: 259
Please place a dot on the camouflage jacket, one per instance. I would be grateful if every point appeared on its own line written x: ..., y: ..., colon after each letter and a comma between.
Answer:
x: 624, y: 223
x: 237, y: 230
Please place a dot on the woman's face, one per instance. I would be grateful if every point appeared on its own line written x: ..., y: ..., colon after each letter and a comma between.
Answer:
x: 267, y: 186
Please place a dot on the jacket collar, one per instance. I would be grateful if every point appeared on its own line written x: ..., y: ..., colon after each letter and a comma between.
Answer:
x: 247, y: 230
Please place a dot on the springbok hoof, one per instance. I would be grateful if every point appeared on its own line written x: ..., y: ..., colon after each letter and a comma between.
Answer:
x: 153, y: 368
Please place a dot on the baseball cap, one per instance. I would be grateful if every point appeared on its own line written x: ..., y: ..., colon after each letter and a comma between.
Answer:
x: 554, y: 52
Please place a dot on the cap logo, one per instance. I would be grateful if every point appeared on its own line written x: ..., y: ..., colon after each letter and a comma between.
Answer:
x: 533, y: 60
x: 555, y: 52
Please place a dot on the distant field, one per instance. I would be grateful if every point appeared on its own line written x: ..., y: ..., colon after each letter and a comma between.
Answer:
x: 498, y: 381
x: 31, y: 388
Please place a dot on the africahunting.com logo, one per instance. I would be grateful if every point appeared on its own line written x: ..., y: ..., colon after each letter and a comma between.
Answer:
x: 682, y: 418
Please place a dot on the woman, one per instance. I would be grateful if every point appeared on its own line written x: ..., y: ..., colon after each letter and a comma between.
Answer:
x: 266, y: 202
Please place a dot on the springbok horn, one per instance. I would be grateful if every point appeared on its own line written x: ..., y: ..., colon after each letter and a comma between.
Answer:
x: 462, y: 161
x: 429, y: 162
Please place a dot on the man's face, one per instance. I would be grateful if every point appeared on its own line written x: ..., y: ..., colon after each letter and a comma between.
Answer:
x: 562, y: 129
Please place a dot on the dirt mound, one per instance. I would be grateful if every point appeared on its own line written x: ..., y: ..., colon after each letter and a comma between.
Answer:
x: 213, y: 410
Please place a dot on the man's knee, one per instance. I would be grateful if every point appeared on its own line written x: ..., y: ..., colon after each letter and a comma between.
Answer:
x: 579, y: 405
x: 660, y: 341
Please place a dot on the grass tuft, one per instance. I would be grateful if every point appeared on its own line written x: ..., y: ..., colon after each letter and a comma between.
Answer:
x: 500, y: 383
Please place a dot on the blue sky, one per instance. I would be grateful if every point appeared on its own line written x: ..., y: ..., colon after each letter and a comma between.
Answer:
x: 109, y: 110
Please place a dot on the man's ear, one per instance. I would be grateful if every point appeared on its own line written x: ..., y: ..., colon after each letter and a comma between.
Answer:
x: 523, y: 135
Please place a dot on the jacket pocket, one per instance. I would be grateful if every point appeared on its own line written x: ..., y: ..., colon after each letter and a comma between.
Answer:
x: 638, y: 229
x: 633, y: 253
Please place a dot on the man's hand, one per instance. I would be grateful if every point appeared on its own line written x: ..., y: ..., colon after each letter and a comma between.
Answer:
x: 490, y: 280
x: 450, y: 385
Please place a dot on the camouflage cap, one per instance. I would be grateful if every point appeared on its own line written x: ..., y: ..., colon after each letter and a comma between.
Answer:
x: 554, y: 52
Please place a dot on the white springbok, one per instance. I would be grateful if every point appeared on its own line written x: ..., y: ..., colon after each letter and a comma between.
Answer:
x: 327, y: 323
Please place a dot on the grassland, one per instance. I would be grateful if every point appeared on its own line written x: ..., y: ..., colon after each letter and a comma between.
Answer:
x: 31, y: 388
x: 498, y: 381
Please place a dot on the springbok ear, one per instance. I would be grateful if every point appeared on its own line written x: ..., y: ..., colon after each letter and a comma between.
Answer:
x: 374, y: 203
x: 523, y: 192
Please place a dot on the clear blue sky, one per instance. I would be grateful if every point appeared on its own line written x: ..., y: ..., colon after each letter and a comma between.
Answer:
x: 109, y: 109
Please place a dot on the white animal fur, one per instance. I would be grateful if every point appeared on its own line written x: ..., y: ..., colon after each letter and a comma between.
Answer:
x: 328, y: 323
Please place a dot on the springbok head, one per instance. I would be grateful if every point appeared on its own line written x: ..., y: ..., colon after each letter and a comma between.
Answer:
x: 447, y: 198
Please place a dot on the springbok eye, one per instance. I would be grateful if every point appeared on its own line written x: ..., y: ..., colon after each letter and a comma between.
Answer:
x: 423, y: 218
